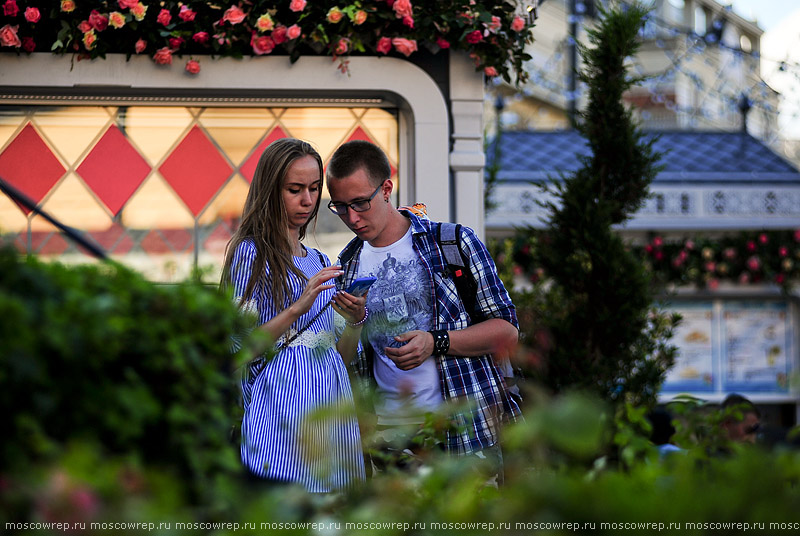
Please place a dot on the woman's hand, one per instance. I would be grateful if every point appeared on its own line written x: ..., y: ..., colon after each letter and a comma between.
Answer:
x: 352, y: 308
x: 316, y: 284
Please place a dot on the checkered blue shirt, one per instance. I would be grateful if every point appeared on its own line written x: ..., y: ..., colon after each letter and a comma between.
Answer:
x: 475, y: 383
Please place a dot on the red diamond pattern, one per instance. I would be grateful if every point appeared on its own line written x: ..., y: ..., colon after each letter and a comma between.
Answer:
x: 114, y: 239
x: 218, y: 239
x: 48, y: 243
x: 167, y: 240
x: 360, y: 134
x: 248, y: 169
x: 28, y: 164
x: 196, y: 170
x: 114, y: 169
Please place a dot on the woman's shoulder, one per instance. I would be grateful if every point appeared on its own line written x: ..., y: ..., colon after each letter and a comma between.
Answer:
x: 315, y: 255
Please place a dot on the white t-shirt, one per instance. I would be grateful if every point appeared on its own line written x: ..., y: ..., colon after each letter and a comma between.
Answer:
x: 399, y: 301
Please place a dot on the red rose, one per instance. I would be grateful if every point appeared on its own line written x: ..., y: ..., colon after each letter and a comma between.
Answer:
x: 474, y: 37
x: 297, y: 5
x: 28, y: 44
x: 279, y: 35
x: 10, y: 8
x: 32, y: 14
x: 518, y: 24
x: 187, y: 15
x: 163, y: 56
x: 97, y: 21
x: 84, y: 26
x: 490, y: 71
x: 442, y: 43
x: 384, y: 45
x: 127, y: 3
x: 164, y: 17
x: 408, y: 21
x: 175, y: 42
x: 201, y: 37
x: 192, y: 66
x: 140, y: 45
x: 261, y: 45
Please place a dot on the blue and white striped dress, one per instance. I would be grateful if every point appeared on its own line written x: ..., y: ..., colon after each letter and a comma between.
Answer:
x: 299, y: 420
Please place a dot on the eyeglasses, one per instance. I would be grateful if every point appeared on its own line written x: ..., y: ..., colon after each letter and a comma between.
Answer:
x: 340, y: 209
x: 752, y: 429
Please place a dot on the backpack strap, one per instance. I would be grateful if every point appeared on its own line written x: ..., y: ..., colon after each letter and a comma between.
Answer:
x: 448, y: 236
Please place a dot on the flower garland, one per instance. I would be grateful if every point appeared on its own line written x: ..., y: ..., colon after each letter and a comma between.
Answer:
x: 493, y: 33
x: 744, y: 258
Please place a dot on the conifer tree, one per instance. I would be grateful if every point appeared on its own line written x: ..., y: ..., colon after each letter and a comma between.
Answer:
x: 598, y: 305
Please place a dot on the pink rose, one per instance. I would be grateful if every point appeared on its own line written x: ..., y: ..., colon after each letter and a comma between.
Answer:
x: 408, y: 21
x: 234, y: 15
x: 297, y: 5
x: 116, y: 20
x: 262, y: 45
x: 201, y: 37
x: 279, y: 35
x: 192, y: 66
x: 186, y: 14
x: 360, y: 17
x: 404, y: 46
x: 175, y: 42
x: 342, y: 47
x: 163, y: 56
x: 84, y: 26
x: 402, y: 8
x: 127, y: 4
x: 265, y: 23
x: 140, y: 45
x: 10, y: 8
x: 28, y: 44
x: 518, y: 24
x: 494, y: 25
x: 99, y: 22
x: 32, y: 14
x: 9, y: 37
x: 442, y: 43
x: 89, y: 39
x: 490, y: 71
x: 164, y: 17
x: 384, y: 45
x: 335, y: 15
x: 474, y: 37
x: 753, y: 263
x: 139, y: 11
x: 293, y: 32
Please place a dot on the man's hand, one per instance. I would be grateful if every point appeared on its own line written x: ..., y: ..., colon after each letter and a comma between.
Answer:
x: 418, y: 348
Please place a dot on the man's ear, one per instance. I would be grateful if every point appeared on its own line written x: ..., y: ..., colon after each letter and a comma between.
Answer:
x: 388, y: 186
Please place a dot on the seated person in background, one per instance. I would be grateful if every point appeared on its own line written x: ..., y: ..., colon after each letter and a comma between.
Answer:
x: 741, y: 419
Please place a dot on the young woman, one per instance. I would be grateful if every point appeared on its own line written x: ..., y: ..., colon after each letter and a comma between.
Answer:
x: 299, y: 421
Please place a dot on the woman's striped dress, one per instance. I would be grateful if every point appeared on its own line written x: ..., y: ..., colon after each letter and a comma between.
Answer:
x: 299, y: 420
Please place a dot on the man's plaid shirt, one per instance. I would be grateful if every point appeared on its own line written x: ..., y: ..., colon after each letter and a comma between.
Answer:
x: 474, y: 380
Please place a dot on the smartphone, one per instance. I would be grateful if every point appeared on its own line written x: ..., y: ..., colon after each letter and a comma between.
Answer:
x: 360, y: 286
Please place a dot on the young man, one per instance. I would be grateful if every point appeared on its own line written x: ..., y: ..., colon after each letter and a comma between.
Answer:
x: 423, y: 349
x: 742, y: 420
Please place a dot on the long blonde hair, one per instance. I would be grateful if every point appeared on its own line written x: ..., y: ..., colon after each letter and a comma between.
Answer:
x: 264, y: 220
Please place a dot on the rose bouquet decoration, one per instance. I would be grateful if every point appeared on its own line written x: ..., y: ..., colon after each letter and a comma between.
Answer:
x: 493, y: 33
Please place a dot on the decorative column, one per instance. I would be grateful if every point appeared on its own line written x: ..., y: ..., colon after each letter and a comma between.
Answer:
x: 467, y: 158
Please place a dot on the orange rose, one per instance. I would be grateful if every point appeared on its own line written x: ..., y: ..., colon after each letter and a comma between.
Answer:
x: 116, y: 20
x: 234, y: 15
x: 89, y: 39
x: 335, y: 15
x: 67, y: 6
x: 265, y: 23
x: 360, y: 17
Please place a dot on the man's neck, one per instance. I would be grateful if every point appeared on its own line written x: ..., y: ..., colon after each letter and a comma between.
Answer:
x: 395, y: 229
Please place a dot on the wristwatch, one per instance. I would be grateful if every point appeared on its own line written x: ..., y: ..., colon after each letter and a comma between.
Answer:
x: 441, y: 341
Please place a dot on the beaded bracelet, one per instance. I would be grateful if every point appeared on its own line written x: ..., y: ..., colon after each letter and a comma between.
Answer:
x: 366, y: 315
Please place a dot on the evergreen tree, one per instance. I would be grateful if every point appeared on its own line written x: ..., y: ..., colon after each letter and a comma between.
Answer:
x: 598, y: 301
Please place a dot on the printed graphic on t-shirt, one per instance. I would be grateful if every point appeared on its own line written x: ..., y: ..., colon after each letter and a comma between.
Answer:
x: 398, y: 302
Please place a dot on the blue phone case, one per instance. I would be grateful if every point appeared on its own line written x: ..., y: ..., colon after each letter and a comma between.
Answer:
x: 360, y: 286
